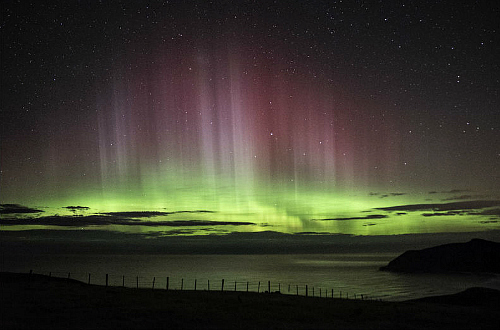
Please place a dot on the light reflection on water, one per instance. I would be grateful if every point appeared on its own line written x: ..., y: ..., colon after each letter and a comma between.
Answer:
x: 347, y: 273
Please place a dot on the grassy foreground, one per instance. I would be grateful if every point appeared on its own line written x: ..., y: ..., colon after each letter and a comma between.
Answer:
x: 40, y: 302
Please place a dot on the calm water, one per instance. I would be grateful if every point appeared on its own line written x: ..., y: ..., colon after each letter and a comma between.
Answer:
x: 347, y: 273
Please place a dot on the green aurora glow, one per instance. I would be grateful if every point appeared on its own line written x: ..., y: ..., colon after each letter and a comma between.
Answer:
x: 249, y: 121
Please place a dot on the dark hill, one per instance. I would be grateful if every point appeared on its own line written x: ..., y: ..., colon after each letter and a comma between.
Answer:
x: 477, y: 256
x: 43, y: 302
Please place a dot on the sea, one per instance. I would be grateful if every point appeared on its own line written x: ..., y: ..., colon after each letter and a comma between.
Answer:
x: 347, y: 276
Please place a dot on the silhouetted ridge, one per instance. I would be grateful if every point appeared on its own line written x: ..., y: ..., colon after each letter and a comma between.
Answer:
x: 477, y: 255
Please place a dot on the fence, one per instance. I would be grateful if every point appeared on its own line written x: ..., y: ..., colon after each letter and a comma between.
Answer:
x: 168, y: 283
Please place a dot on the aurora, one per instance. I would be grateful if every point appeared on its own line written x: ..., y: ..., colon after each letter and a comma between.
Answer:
x: 216, y: 120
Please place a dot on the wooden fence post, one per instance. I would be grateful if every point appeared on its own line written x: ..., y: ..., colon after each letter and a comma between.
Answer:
x: 182, y: 284
x: 313, y: 292
x: 269, y: 286
x: 258, y: 288
x: 247, y: 286
x: 194, y: 284
x: 89, y: 279
x: 222, y: 287
x: 137, y: 281
x: 123, y: 280
x: 307, y: 290
x: 69, y: 275
x: 154, y: 279
x: 208, y: 285
x: 279, y: 287
x: 106, y: 280
x: 234, y: 285
x: 297, y: 287
x: 332, y: 293
x: 167, y: 283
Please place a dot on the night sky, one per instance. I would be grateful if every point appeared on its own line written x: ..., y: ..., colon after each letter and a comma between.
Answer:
x: 196, y: 117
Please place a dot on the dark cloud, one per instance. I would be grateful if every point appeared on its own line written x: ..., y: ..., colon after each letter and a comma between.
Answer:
x: 195, y: 211
x: 135, y: 214
x: 371, y: 216
x: 468, y: 205
x: 102, y: 220
x: 456, y: 191
x: 493, y: 212
x: 148, y: 214
x: 386, y: 195
x: 463, y: 197
x: 188, y: 223
x: 453, y: 191
x: 183, y: 231
x: 76, y: 207
x: 64, y: 221
x: 175, y: 232
x: 449, y: 213
x: 16, y: 208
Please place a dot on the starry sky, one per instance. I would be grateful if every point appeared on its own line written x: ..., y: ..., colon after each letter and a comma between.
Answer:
x: 217, y: 117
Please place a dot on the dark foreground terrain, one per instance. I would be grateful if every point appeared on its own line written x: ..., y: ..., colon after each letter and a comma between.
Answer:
x: 40, y: 302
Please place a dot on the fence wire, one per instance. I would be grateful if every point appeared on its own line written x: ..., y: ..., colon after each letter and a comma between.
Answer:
x: 204, y: 284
